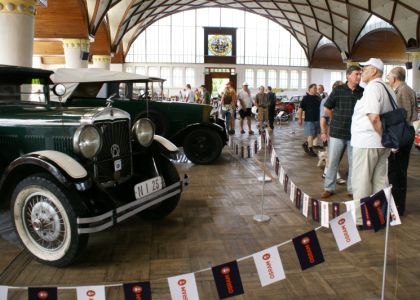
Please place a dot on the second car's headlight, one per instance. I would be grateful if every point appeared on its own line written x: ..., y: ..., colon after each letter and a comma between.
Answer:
x: 87, y: 141
x: 144, y: 130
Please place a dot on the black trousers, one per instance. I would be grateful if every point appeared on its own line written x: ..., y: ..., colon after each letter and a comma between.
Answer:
x: 271, y: 115
x: 397, y: 175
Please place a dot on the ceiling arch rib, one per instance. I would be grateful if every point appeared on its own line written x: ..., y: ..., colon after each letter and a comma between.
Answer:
x: 307, y: 20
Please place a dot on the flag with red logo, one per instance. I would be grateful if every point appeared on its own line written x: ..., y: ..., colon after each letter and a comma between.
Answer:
x: 3, y: 291
x: 325, y: 214
x: 298, y: 198
x: 40, y: 293
x: 286, y: 182
x: 308, y: 250
x: 315, y: 210
x: 93, y: 292
x: 183, y: 287
x: 364, y: 210
x: 305, y: 205
x: 269, y: 266
x: 345, y: 231
x: 395, y: 216
x: 228, y: 280
x: 351, y: 207
x: 335, y: 209
x: 137, y: 290
x: 377, y: 207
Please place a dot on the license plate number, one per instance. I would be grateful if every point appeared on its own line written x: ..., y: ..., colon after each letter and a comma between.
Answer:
x: 147, y: 187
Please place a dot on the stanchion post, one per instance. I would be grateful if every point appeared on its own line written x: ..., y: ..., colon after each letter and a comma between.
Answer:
x: 261, y: 217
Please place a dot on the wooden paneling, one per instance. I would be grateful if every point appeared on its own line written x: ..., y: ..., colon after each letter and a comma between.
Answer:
x: 385, y: 44
x: 48, y: 48
x: 53, y: 60
x: 101, y: 45
x: 327, y: 57
x: 62, y: 19
x: 118, y: 57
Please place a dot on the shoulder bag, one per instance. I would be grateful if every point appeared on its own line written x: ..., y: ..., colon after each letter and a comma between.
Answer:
x: 397, y: 132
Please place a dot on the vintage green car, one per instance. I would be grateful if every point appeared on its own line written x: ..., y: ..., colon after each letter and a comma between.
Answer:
x: 69, y: 172
x: 187, y: 125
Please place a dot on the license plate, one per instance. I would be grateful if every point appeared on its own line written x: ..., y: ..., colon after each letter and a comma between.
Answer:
x: 148, y: 187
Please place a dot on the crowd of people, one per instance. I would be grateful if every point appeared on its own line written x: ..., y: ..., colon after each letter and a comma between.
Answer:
x: 349, y: 120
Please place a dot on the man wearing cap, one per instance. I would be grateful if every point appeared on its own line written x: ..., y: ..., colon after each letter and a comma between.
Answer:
x: 369, y: 156
x: 245, y: 101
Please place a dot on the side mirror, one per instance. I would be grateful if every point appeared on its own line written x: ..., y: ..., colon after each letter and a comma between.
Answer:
x: 59, y: 90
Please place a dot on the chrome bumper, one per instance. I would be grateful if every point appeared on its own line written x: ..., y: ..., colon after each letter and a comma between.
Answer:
x: 112, y: 217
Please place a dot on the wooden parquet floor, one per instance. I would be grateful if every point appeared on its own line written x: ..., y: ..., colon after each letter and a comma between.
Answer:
x: 214, y: 224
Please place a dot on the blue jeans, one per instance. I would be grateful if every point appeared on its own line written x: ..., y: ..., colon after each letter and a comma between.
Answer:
x: 226, y: 115
x: 336, y: 148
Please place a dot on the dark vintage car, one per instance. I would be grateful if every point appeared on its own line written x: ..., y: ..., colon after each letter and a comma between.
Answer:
x: 187, y: 125
x: 69, y: 172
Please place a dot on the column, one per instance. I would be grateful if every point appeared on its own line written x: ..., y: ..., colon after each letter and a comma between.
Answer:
x: 76, y: 53
x: 17, y: 32
x: 101, y: 61
x: 415, y: 56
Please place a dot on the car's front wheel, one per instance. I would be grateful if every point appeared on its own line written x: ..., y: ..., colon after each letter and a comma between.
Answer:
x: 202, y: 146
x: 45, y: 219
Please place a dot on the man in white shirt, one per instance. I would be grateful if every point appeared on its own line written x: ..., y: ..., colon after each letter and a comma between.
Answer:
x: 369, y: 156
x: 189, y: 94
x: 245, y: 101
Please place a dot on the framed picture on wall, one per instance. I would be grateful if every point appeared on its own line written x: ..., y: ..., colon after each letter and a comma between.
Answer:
x: 220, y: 45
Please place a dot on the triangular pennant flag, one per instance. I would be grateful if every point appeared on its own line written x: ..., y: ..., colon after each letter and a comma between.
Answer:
x: 269, y: 266
x: 308, y: 250
x: 351, y: 207
x: 335, y: 209
x: 137, y: 290
x: 228, y: 280
x: 305, y: 206
x: 40, y: 293
x: 286, y: 182
x: 395, y: 216
x: 276, y: 168
x: 298, y: 198
x: 273, y: 157
x: 3, y: 291
x: 183, y: 287
x: 95, y: 292
x: 292, y: 191
x: 281, y: 177
x: 325, y: 214
x: 364, y: 210
x: 377, y: 207
x: 345, y: 231
x: 315, y: 210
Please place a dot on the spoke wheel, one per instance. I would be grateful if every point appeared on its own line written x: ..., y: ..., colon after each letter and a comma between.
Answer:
x: 44, y: 216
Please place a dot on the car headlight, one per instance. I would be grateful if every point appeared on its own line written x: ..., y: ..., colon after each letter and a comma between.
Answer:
x: 87, y: 141
x: 144, y: 130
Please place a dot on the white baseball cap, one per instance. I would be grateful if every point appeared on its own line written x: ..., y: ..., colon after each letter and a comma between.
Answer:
x: 245, y: 83
x: 375, y: 62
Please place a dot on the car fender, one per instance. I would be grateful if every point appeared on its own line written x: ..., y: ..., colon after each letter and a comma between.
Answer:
x: 178, y: 138
x: 61, y: 166
x: 167, y: 144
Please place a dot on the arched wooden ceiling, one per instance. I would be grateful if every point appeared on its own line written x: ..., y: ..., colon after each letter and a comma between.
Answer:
x: 307, y: 20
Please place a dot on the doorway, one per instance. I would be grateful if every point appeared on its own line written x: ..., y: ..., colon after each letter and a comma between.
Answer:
x: 216, y: 79
x: 218, y: 85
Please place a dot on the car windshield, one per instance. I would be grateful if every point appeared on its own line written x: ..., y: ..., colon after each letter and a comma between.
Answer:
x: 32, y: 91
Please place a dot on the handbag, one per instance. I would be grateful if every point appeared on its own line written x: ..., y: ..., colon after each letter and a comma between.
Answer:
x: 397, y: 132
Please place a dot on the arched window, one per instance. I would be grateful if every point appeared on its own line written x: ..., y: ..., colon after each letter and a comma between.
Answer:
x: 179, y: 38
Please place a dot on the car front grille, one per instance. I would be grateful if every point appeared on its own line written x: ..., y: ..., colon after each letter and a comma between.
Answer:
x: 116, y: 146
